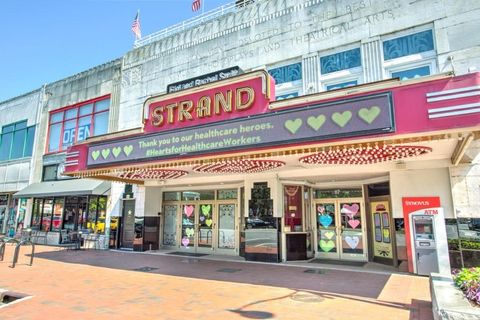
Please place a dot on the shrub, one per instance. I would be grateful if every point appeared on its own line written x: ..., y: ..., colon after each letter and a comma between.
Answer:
x: 468, y: 279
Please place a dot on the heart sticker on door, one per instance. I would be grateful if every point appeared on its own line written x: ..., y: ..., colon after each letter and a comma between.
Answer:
x: 185, y: 242
x: 352, y: 241
x: 189, y: 232
x: 353, y: 223
x: 327, y: 245
x: 350, y: 210
x: 188, y: 210
x: 206, y: 209
x: 329, y: 235
x: 325, y: 220
x: 209, y: 222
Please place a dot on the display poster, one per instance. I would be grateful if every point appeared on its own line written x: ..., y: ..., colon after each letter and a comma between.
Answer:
x: 382, y: 246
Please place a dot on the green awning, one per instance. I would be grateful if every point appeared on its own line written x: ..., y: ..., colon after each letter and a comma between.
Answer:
x: 71, y: 187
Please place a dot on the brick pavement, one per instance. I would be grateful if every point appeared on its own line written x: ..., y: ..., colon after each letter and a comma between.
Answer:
x: 103, y: 285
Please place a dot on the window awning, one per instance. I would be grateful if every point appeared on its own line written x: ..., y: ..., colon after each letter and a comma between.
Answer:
x: 73, y: 187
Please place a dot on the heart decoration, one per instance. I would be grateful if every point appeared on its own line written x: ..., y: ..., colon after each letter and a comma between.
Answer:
x: 202, y: 218
x: 327, y: 245
x: 206, y: 209
x: 369, y: 115
x: 350, y: 210
x: 341, y: 119
x: 105, y: 153
x: 127, y: 150
x: 116, y: 151
x: 185, y: 242
x: 316, y: 122
x: 95, y: 154
x: 188, y: 210
x: 325, y: 220
x: 189, y: 232
x: 329, y: 235
x: 321, y: 209
x: 352, y: 241
x: 209, y: 222
x: 353, y: 223
x: 293, y: 125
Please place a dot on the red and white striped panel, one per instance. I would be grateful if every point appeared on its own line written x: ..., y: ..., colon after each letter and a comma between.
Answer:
x: 454, y: 102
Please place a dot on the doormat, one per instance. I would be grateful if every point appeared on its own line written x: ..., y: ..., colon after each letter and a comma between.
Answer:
x: 188, y: 254
x: 339, y: 262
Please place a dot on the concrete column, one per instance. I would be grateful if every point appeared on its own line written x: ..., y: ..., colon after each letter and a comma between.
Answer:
x: 372, y: 60
x: 310, y: 70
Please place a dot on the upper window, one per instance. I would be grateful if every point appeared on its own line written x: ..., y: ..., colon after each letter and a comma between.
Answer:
x: 412, y: 73
x: 408, y: 45
x: 16, y: 141
x: 341, y: 61
x: 410, y: 56
x: 341, y: 85
x: 70, y: 125
x: 288, y: 80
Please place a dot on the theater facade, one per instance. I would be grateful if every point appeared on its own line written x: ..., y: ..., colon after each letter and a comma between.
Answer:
x: 227, y: 169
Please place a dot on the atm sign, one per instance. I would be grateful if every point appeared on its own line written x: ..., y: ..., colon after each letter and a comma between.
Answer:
x: 431, y: 211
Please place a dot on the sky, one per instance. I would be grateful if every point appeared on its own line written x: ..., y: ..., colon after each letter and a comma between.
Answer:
x: 47, y: 40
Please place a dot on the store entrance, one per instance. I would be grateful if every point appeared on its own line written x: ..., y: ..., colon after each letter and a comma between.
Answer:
x: 341, y: 229
x: 200, y: 226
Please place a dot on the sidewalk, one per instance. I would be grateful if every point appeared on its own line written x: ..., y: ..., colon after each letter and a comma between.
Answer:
x: 91, y: 284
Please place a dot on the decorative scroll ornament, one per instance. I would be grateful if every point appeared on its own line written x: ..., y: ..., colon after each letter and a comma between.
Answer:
x: 365, y: 154
x: 153, y: 174
x: 239, y: 166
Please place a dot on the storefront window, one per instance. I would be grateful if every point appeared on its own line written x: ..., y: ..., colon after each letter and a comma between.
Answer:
x: 77, y: 123
x: 337, y: 193
x: 102, y: 214
x: 47, y: 214
x: 57, y: 214
x: 227, y: 194
x: 36, y: 214
x: 171, y: 196
x: 463, y: 237
x: 92, y: 213
x: 198, y: 195
x: 22, y: 210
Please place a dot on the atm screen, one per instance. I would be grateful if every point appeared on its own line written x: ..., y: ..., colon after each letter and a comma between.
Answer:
x: 424, y: 229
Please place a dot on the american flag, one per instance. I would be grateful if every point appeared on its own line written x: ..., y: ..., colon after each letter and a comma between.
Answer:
x: 136, y: 26
x: 196, y: 4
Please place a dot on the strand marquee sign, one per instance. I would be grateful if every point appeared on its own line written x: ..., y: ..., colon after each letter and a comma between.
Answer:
x: 239, y: 114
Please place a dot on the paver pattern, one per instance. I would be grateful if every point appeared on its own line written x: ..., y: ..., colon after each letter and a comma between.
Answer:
x: 94, y: 284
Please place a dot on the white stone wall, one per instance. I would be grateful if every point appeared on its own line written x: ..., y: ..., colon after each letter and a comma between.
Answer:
x: 90, y: 84
x: 421, y: 183
x: 277, y: 31
x: 465, y: 180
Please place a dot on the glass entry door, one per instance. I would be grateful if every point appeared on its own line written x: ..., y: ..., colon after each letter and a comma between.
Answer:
x: 200, y: 226
x: 340, y: 229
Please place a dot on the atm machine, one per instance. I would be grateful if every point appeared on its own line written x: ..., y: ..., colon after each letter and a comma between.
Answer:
x: 430, y: 247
